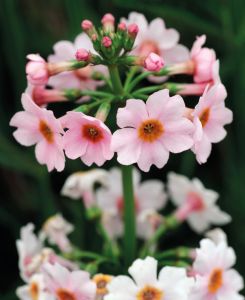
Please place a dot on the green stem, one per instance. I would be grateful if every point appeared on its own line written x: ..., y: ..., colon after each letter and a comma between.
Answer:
x: 115, y: 79
x: 129, y: 215
x: 131, y: 73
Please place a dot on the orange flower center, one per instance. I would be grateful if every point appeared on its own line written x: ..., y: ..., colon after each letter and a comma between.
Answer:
x: 147, y: 47
x: 92, y: 133
x: 215, y: 281
x: 149, y: 293
x: 63, y: 294
x: 34, y: 291
x: 46, y: 131
x: 204, y: 117
x: 150, y: 130
x: 101, y: 281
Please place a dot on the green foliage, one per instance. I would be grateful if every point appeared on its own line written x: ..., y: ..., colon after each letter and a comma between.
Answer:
x: 28, y: 192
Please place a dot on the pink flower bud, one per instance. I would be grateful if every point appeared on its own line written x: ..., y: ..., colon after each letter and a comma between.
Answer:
x: 106, y: 41
x: 82, y: 54
x: 37, y: 70
x: 86, y: 25
x: 122, y: 26
x: 153, y: 62
x: 108, y: 19
x: 94, y: 37
x: 133, y: 30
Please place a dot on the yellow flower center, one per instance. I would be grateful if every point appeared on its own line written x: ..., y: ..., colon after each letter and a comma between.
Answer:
x: 204, y: 117
x: 46, y: 131
x: 215, y: 281
x: 149, y: 293
x: 34, y: 291
x: 101, y: 281
x: 150, y: 130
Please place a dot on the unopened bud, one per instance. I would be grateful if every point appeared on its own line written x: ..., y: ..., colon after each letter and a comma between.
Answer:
x: 133, y: 30
x: 106, y: 42
x: 153, y: 62
x: 122, y: 26
x: 86, y: 25
x: 82, y: 55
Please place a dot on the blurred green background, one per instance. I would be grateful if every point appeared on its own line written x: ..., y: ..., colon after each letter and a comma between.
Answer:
x: 29, y: 193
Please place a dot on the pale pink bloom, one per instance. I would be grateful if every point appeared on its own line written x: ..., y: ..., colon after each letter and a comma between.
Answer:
x: 217, y: 235
x: 151, y: 130
x: 56, y: 229
x: 64, y: 284
x: 215, y: 278
x: 39, y: 126
x: 171, y: 284
x: 34, y: 290
x: 149, y: 198
x: 155, y: 37
x: 195, y: 203
x: 153, y: 62
x: 106, y: 41
x: 204, y: 60
x: 80, y: 78
x: 87, y: 138
x: 37, y: 70
x: 209, y: 117
x: 80, y: 185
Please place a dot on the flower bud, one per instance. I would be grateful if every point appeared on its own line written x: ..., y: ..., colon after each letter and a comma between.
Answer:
x: 37, y: 70
x: 108, y: 22
x: 106, y: 42
x: 82, y: 54
x: 87, y: 25
x: 133, y: 30
x: 153, y: 62
x: 122, y: 26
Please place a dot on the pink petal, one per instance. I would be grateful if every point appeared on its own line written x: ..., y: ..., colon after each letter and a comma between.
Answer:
x: 200, y: 41
x: 24, y: 120
x: 132, y: 114
x: 30, y: 106
x: 177, y: 143
x: 35, y: 57
x: 215, y: 132
x: 156, y: 103
x: 26, y: 137
x: 173, y: 109
x: 176, y: 55
x: 169, y: 39
x: 75, y: 146
x: 202, y: 149
x: 93, y: 154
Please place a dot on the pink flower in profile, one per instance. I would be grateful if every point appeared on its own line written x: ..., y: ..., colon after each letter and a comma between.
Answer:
x: 149, y: 131
x: 37, y: 70
x: 81, y: 78
x: 64, y: 285
x: 86, y: 137
x: 204, y: 61
x: 153, y: 62
x: 39, y: 126
x: 209, y: 117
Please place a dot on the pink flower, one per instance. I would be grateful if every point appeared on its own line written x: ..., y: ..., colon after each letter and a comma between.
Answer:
x: 86, y: 137
x: 39, y: 126
x: 215, y: 277
x: 80, y: 78
x: 204, y: 61
x: 106, y: 41
x: 86, y: 25
x: 209, y: 117
x: 63, y: 284
x: 153, y: 62
x: 37, y: 70
x: 151, y: 130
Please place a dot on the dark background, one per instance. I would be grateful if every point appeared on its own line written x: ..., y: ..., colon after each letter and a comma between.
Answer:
x: 29, y: 193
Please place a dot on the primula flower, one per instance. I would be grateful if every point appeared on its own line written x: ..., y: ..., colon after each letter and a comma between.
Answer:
x: 56, y: 229
x: 39, y: 126
x: 81, y: 185
x: 63, y: 284
x: 155, y: 37
x: 37, y: 70
x: 196, y: 204
x: 215, y: 278
x: 171, y: 283
x: 216, y: 235
x: 34, y: 290
x: 204, y: 60
x: 101, y: 281
x: 87, y: 138
x: 80, y: 78
x: 151, y: 130
x: 149, y: 197
x: 209, y: 117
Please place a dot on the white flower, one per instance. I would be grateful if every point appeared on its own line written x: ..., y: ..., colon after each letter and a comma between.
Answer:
x: 217, y: 235
x: 171, y: 283
x: 149, y: 197
x: 34, y: 290
x: 56, y: 229
x: 196, y: 204
x: 81, y: 185
x: 215, y: 278
x: 66, y: 285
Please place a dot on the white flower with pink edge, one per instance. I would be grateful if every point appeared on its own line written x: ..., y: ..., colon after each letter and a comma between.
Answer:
x: 215, y: 278
x: 39, y: 126
x: 149, y: 131
x: 172, y: 283
x: 195, y: 203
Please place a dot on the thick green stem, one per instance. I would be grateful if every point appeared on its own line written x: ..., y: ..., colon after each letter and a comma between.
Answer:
x: 115, y: 79
x: 129, y: 215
